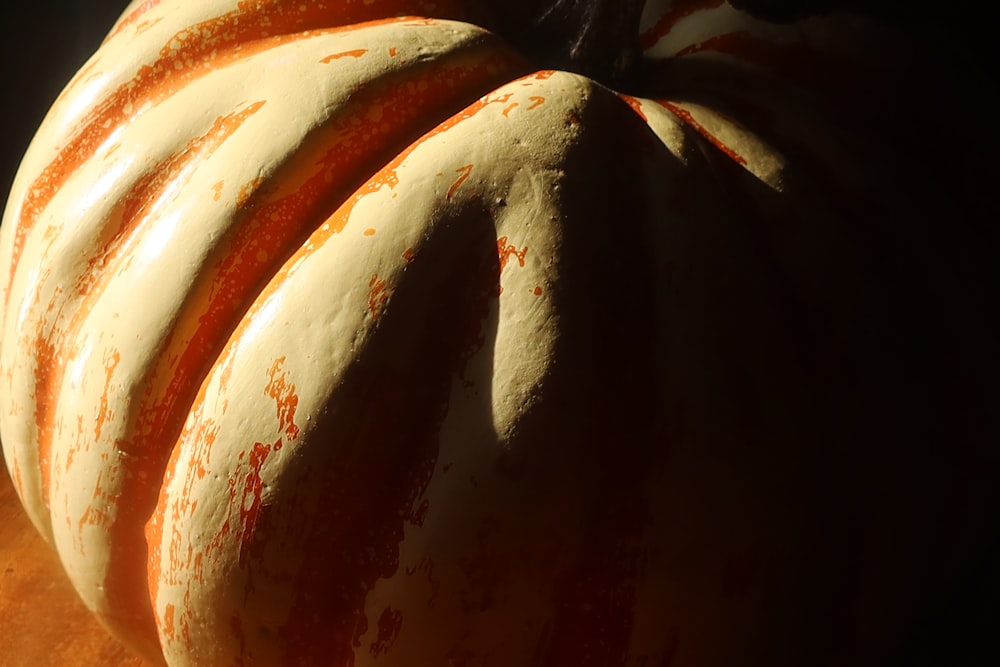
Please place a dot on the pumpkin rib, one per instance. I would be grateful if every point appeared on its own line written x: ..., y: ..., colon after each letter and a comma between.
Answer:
x: 326, y: 240
x: 446, y: 221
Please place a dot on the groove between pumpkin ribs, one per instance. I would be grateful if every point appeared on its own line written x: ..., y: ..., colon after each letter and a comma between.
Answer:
x: 256, y: 248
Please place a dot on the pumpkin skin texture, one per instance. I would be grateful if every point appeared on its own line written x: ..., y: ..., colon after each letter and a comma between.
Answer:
x: 340, y: 334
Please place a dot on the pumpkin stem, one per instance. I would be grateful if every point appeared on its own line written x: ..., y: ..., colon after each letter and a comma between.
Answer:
x: 596, y: 38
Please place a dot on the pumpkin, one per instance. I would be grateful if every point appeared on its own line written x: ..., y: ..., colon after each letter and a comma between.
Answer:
x: 356, y: 333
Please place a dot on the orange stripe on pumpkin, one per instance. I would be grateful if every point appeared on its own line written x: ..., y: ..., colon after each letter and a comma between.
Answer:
x: 689, y: 120
x: 678, y: 10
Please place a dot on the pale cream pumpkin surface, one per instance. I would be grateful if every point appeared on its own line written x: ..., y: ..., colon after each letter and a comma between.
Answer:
x: 338, y: 334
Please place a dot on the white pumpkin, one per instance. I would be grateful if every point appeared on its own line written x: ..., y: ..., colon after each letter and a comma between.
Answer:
x: 339, y: 333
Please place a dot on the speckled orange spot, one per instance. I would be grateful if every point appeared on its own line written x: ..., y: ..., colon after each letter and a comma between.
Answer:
x: 506, y: 251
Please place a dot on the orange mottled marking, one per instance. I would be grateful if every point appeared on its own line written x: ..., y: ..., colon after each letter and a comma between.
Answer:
x: 247, y: 190
x: 510, y: 107
x: 98, y: 511
x: 369, y: 232
x: 203, y: 433
x: 378, y: 295
x: 250, y: 493
x: 285, y: 398
x: 507, y: 250
x: 217, y: 191
x: 104, y: 412
x: 463, y: 172
x: 497, y: 98
x: 354, y: 53
x: 94, y: 516
x: 536, y: 101
x: 167, y: 624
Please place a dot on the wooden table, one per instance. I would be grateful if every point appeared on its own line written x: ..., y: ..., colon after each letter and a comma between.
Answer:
x: 42, y: 622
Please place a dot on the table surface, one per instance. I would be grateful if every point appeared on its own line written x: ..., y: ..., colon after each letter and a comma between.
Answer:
x: 43, y: 621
